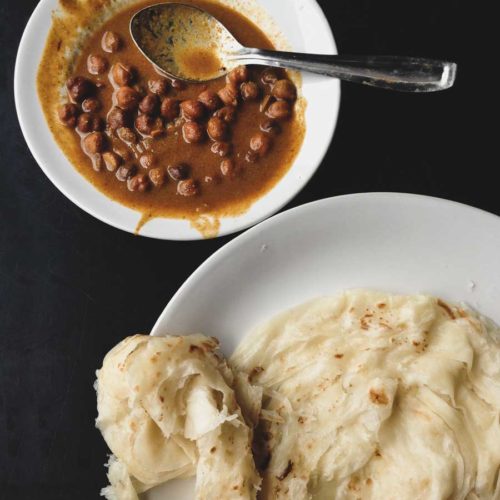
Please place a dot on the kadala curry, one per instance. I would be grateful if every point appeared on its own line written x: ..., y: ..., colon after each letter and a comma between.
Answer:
x: 167, y: 147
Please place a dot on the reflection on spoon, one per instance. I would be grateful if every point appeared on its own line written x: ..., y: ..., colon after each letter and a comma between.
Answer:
x: 190, y: 44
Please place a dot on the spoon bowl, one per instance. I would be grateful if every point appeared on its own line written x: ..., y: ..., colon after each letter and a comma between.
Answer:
x: 188, y: 43
x: 184, y: 42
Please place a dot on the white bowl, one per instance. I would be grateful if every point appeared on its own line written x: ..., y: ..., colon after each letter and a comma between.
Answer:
x: 395, y: 242
x: 306, y: 28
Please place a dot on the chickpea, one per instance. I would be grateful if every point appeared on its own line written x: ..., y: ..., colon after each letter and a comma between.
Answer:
x: 260, y: 143
x: 229, y: 95
x: 125, y: 172
x: 127, y: 98
x: 139, y: 182
x: 192, y: 110
x: 158, y: 86
x: 68, y: 114
x: 193, y: 132
x: 91, y: 105
x: 147, y: 160
x: 97, y: 123
x: 249, y: 91
x: 210, y: 100
x: 187, y: 188
x: 117, y: 118
x: 94, y: 143
x: 221, y: 148
x: 169, y: 109
x: 97, y: 162
x: 111, y: 160
x: 96, y: 64
x: 217, y: 129
x: 149, y: 105
x: 251, y: 157
x: 79, y: 88
x: 228, y: 167
x: 110, y: 42
x: 140, y: 89
x: 178, y: 84
x: 178, y: 172
x: 269, y: 76
x: 88, y: 123
x: 279, y: 110
x: 122, y: 74
x: 284, y: 89
x: 227, y: 114
x: 123, y: 152
x: 238, y: 75
x: 145, y: 124
x: 157, y: 176
x: 127, y: 135
x: 270, y: 127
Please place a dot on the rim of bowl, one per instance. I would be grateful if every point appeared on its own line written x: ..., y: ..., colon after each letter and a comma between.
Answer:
x: 181, y: 233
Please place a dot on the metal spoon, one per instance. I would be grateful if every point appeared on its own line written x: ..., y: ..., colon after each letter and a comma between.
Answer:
x: 188, y: 43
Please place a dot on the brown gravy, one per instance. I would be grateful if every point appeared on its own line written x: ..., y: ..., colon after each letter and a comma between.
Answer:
x: 198, y: 62
x: 218, y: 195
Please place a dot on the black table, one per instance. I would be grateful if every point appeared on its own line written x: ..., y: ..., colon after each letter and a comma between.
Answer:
x: 72, y: 287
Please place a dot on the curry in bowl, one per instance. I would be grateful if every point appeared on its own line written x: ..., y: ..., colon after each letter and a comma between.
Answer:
x: 166, y: 147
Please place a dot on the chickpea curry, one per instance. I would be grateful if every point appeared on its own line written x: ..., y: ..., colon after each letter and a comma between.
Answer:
x: 169, y: 148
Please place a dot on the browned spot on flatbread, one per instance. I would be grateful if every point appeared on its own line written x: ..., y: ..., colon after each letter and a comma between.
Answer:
x: 364, y: 325
x: 209, y: 346
x: 255, y: 372
x: 446, y: 308
x: 378, y: 397
x: 353, y: 484
x: 287, y: 471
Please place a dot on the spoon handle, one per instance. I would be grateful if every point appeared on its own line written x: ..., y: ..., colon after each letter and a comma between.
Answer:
x: 406, y: 74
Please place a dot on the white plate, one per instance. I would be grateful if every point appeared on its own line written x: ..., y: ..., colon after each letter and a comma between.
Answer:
x: 395, y: 242
x: 306, y: 28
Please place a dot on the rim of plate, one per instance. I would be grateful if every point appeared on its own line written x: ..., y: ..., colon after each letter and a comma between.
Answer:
x: 276, y: 220
x: 82, y: 193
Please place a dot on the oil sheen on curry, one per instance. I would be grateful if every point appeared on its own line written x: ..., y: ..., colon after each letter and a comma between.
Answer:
x: 165, y: 147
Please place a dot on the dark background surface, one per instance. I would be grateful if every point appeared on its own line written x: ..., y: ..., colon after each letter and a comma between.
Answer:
x: 72, y: 287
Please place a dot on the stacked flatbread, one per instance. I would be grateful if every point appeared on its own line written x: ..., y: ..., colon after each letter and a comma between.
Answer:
x: 376, y: 396
x: 167, y: 409
x: 364, y: 395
